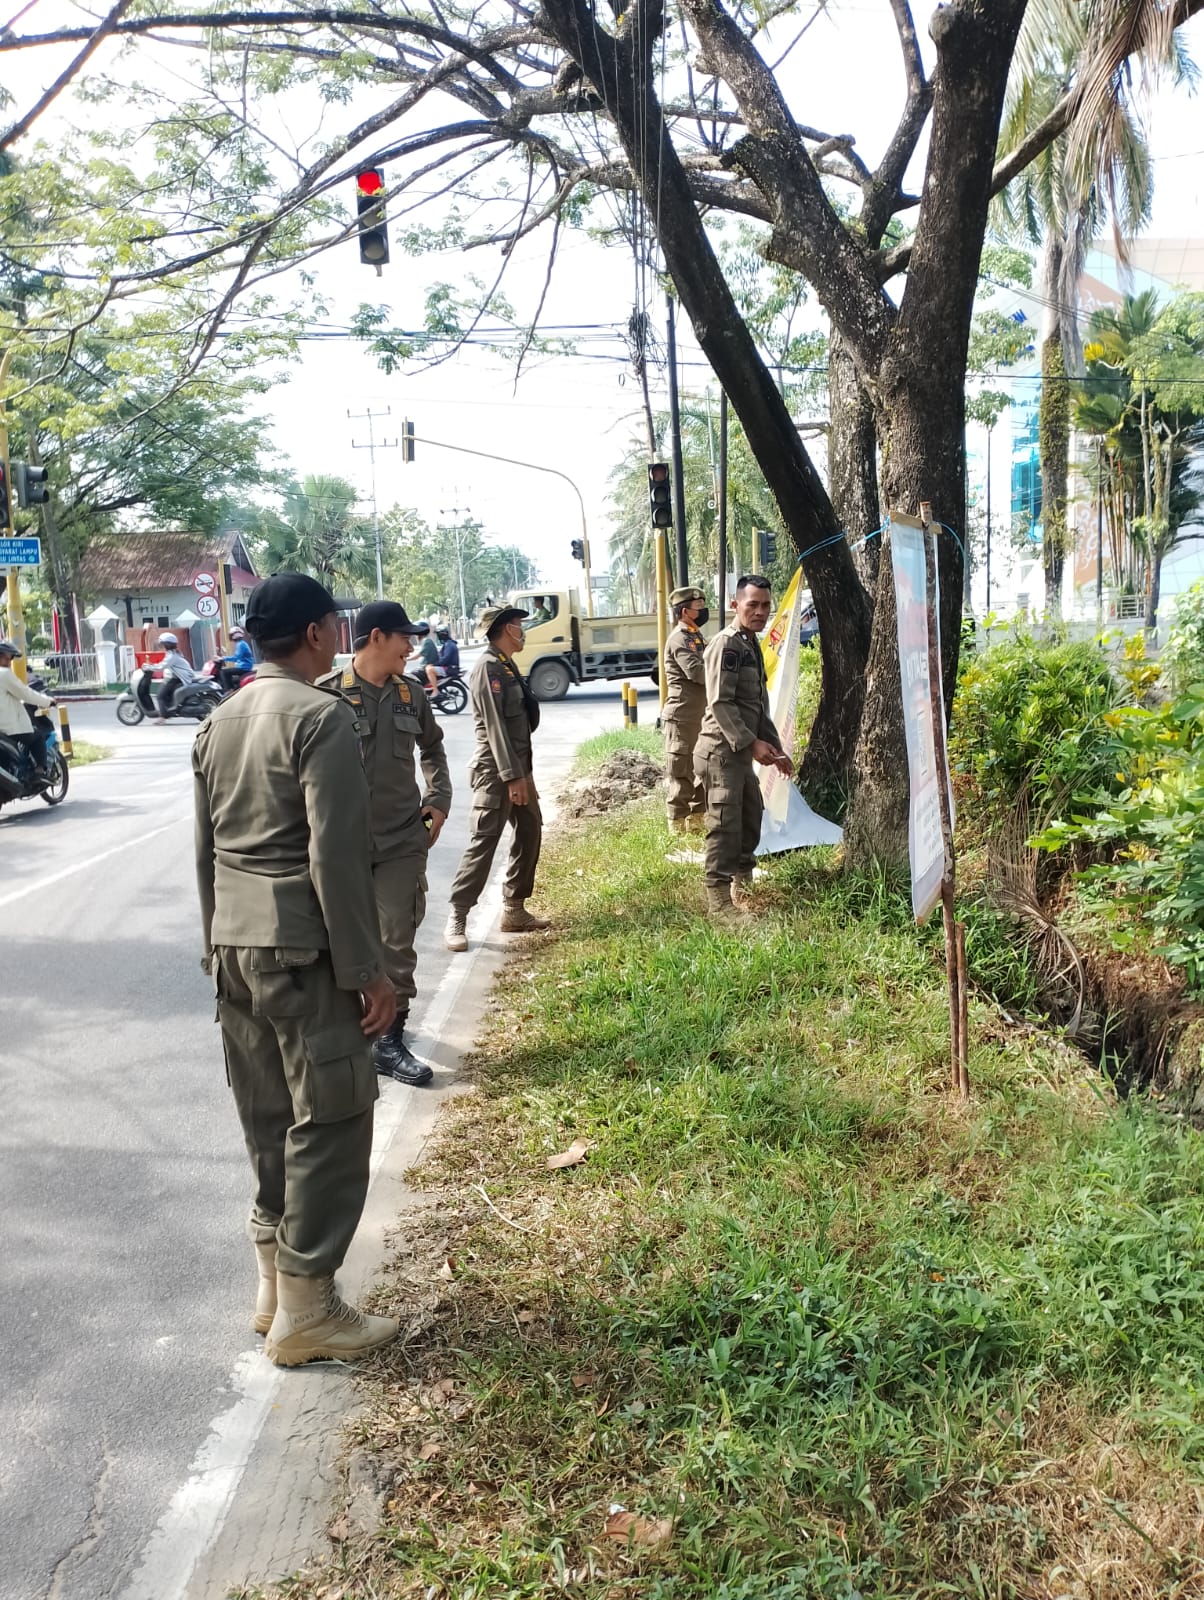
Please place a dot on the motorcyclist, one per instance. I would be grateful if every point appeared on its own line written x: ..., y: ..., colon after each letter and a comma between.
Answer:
x: 177, y: 671
x: 449, y: 652
x: 15, y: 721
x: 241, y: 660
x: 428, y: 657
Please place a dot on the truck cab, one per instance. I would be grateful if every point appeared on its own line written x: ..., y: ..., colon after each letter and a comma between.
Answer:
x: 564, y: 647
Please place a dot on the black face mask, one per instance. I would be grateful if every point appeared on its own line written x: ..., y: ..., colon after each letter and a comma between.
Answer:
x: 702, y: 618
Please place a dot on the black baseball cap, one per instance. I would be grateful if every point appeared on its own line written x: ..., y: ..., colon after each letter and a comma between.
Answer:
x: 285, y: 604
x: 389, y: 617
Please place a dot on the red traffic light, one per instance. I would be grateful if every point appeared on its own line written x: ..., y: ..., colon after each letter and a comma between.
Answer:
x: 658, y: 472
x: 370, y: 181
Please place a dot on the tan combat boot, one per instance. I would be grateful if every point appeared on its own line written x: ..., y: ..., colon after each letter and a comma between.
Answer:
x: 719, y: 904
x: 454, y: 935
x: 314, y: 1323
x: 742, y: 896
x: 696, y: 823
x: 265, y: 1300
x: 517, y: 919
x: 679, y: 825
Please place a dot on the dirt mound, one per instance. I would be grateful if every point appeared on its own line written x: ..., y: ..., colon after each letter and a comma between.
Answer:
x: 624, y: 776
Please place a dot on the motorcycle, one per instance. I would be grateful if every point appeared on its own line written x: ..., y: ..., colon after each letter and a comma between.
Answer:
x: 19, y: 779
x: 193, y: 701
x: 451, y: 695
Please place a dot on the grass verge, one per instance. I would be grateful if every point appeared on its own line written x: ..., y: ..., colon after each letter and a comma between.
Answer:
x: 84, y: 753
x: 824, y: 1332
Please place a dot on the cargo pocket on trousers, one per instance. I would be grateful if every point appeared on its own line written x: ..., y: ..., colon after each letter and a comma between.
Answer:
x: 339, y: 1073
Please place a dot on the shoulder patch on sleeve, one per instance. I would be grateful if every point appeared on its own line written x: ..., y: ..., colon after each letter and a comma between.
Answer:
x: 495, y: 682
x: 730, y: 661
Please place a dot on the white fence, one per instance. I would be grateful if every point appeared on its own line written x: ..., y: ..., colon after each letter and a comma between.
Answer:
x: 75, y: 671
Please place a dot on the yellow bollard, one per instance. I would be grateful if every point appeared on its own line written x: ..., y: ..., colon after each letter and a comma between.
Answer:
x: 626, y: 713
x: 65, y: 733
x: 633, y: 705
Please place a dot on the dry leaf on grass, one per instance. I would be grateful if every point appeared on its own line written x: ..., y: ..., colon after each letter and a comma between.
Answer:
x: 573, y: 1156
x: 582, y: 1380
x: 447, y: 1269
x: 649, y: 1533
x: 339, y: 1529
x: 526, y: 1316
x: 430, y: 1451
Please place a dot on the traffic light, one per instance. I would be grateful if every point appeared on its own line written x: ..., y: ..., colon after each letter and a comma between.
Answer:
x: 578, y: 549
x: 769, y: 548
x: 6, y: 515
x: 407, y: 440
x: 31, y: 484
x: 370, y: 203
x: 659, y: 498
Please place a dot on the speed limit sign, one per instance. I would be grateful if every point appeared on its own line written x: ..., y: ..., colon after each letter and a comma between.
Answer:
x: 207, y: 606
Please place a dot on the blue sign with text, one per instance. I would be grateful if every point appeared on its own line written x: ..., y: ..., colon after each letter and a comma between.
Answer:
x: 20, y: 552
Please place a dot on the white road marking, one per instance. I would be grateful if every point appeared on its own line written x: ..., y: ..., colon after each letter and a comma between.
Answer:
x: 201, y: 1504
x: 42, y: 883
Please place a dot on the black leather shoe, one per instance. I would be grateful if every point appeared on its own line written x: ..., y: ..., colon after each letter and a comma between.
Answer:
x: 394, y: 1059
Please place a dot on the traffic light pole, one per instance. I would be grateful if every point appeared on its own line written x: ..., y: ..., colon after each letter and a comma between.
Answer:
x: 682, y: 574
x: 12, y: 591
x: 532, y: 466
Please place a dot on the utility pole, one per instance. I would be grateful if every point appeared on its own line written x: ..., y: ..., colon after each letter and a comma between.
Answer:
x: 456, y: 530
x: 679, y: 476
x: 721, y: 496
x: 372, y: 447
x: 989, y: 436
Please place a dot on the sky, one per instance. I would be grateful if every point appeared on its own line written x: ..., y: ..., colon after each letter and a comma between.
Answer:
x: 578, y: 413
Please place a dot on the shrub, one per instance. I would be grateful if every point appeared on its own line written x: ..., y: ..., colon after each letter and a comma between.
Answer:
x: 1030, y: 726
x: 1183, y: 656
x: 1153, y: 832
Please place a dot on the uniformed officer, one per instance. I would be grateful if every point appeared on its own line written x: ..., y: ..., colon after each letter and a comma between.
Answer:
x: 393, y: 720
x: 685, y: 702
x: 736, y: 732
x: 505, y: 714
x: 291, y: 937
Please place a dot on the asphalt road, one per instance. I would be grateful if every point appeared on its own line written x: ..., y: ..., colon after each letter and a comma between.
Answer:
x: 123, y: 1182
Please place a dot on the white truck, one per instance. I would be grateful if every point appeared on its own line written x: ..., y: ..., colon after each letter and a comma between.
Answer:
x: 565, y: 647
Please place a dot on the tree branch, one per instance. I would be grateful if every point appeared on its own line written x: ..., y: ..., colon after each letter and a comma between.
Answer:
x: 101, y: 32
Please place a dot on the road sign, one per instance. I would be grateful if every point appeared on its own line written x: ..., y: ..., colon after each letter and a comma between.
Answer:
x: 205, y: 583
x: 207, y: 606
x: 20, y: 552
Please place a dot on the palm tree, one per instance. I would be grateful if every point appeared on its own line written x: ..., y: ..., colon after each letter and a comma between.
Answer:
x: 320, y: 533
x: 1061, y: 201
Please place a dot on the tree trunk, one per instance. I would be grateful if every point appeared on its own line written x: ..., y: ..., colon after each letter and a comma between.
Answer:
x: 1155, y: 589
x: 1054, y: 428
x: 853, y: 458
x: 921, y: 392
x: 617, y: 68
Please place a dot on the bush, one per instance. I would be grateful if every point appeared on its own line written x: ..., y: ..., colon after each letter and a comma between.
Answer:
x: 40, y: 643
x: 1153, y: 833
x: 1030, y: 727
x: 1183, y: 657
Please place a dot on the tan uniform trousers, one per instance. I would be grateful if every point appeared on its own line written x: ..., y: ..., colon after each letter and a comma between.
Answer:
x: 304, y: 1084
x: 401, y: 905
x: 733, y: 814
x: 686, y: 798
x: 491, y: 811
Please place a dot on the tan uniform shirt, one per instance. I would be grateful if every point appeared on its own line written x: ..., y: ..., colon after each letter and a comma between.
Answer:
x: 503, y: 727
x: 737, y: 710
x: 282, y: 826
x: 685, y: 676
x: 393, y: 722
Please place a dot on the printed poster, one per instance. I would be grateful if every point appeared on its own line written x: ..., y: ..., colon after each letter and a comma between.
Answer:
x: 789, y: 822
x: 925, y: 844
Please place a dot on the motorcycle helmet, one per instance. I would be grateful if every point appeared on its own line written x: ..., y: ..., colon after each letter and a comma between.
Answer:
x: 443, y: 631
x: 9, y: 647
x: 169, y: 641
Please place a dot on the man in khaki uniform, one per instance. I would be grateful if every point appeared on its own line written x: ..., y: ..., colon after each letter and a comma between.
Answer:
x: 393, y: 720
x: 685, y: 702
x: 291, y: 937
x: 736, y: 732
x: 505, y: 714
